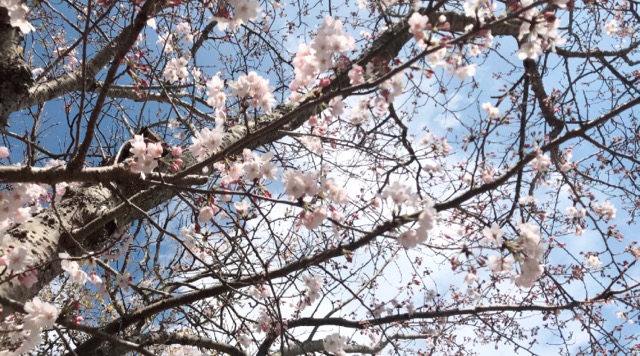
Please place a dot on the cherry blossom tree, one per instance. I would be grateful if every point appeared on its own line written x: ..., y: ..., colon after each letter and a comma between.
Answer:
x: 334, y: 177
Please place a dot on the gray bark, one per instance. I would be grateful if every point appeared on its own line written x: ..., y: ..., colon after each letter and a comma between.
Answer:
x: 45, y: 234
x: 15, y: 76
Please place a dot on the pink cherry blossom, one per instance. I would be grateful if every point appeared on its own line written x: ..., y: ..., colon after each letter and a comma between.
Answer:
x: 592, y: 261
x: 355, y: 75
x: 176, y: 151
x: 471, y: 278
x: 76, y: 274
x: 298, y: 184
x: 605, y: 209
x: 206, y: 214
x: 255, y: 87
x: 123, y: 281
x: 493, y: 111
x: 28, y: 278
x: 17, y: 259
x: 176, y: 70
x: 305, y: 69
x: 216, y: 96
x: 611, y: 27
x: 409, y: 239
x: 337, y: 194
x: 314, y: 285
x: 40, y: 315
x: 541, y: 163
x: 95, y: 279
x: 417, y: 25
x: 493, y: 235
x: 313, y: 219
x: 334, y: 343
x: 466, y: 71
x: 500, y: 265
x: 398, y: 193
x: 242, y: 207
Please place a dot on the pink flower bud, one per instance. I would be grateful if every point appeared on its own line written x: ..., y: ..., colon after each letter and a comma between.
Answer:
x: 375, y: 202
x: 154, y: 149
x: 176, y: 151
x: 550, y: 16
x: 313, y: 121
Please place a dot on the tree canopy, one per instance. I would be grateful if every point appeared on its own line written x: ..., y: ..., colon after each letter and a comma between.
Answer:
x: 282, y: 177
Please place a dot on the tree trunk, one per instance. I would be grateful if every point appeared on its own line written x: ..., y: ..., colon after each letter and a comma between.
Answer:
x: 82, y: 222
x: 15, y: 76
x: 43, y: 236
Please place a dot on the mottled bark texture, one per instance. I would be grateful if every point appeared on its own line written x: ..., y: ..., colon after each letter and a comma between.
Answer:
x: 44, y: 235
x: 15, y: 76
x: 82, y: 222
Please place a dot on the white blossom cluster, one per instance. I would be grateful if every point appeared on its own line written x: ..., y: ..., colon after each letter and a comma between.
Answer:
x: 529, y: 247
x: 605, y: 210
x: 207, y: 140
x: 538, y: 32
x: 401, y: 194
x: 298, y: 184
x: 145, y: 155
x: 311, y: 60
x: 39, y: 316
x: 176, y: 70
x: 531, y: 267
x: 17, y: 14
x: 314, y: 286
x: 335, y: 344
x: 243, y: 12
x: 256, y: 88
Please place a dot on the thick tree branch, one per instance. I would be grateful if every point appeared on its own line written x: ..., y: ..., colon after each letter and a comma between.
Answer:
x: 363, y: 324
x: 166, y: 338
x: 15, y: 75
x: 72, y: 81
x: 314, y: 346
